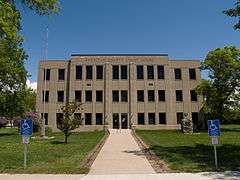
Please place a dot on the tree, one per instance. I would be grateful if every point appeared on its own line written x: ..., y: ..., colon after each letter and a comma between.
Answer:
x: 12, y: 55
x: 69, y: 121
x: 234, y: 12
x: 223, y: 65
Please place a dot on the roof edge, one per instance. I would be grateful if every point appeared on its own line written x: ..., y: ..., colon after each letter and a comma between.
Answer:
x: 119, y: 54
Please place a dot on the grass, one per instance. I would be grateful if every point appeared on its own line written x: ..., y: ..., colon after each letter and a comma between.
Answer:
x: 194, y: 153
x: 48, y: 156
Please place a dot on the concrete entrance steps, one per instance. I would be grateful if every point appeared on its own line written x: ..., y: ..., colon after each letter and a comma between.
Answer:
x: 121, y: 155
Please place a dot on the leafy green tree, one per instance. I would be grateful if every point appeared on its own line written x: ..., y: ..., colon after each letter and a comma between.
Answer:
x: 69, y: 121
x: 234, y: 12
x: 223, y: 65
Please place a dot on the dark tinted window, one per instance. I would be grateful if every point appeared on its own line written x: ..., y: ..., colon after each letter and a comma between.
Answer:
x: 141, y: 118
x: 193, y: 95
x: 45, y: 118
x: 60, y: 96
x: 162, y: 118
x: 124, y: 96
x: 179, y: 117
x: 61, y: 74
x: 140, y: 95
x: 99, y: 118
x: 178, y: 73
x: 88, y: 118
x: 195, y: 120
x: 151, y: 118
x: 179, y: 95
x: 46, y: 96
x: 140, y: 72
x: 46, y: 74
x: 78, y: 96
x: 115, y: 72
x: 89, y: 72
x: 115, y: 96
x: 78, y: 72
x: 99, y: 96
x: 59, y: 118
x: 192, y: 73
x: 160, y: 72
x: 99, y: 73
x: 151, y: 96
x: 124, y: 74
x: 88, y: 96
x: 150, y: 72
x: 161, y: 95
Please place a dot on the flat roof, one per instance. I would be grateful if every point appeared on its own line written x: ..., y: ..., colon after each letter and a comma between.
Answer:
x: 119, y: 54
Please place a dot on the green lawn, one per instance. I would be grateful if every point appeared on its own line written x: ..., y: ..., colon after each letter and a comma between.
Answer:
x: 194, y: 153
x: 49, y: 156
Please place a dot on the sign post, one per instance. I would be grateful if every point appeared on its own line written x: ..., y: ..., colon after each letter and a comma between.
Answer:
x: 26, y: 132
x: 214, y: 133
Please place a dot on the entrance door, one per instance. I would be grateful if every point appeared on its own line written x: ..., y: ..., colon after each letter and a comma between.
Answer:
x: 115, y: 121
x: 124, y: 120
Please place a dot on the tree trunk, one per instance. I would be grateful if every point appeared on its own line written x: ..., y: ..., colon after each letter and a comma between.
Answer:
x: 66, y: 139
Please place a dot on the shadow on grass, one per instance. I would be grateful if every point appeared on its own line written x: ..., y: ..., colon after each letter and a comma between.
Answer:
x: 57, y: 142
x: 7, y: 134
x: 230, y: 130
x: 200, y: 157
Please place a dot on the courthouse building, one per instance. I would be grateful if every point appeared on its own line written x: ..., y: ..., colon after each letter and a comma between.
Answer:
x: 147, y: 91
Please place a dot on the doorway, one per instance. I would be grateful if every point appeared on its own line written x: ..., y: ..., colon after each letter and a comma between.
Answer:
x: 115, y: 120
x: 123, y: 119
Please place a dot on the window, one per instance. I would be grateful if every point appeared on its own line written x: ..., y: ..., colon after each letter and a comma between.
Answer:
x: 161, y: 95
x: 140, y: 72
x: 151, y: 96
x: 141, y: 119
x: 193, y: 95
x: 124, y: 96
x: 46, y: 96
x: 160, y: 72
x: 99, y: 118
x: 77, y: 116
x: 140, y: 95
x: 115, y: 72
x: 61, y: 74
x: 45, y: 118
x: 99, y: 96
x: 150, y: 72
x: 124, y: 74
x: 179, y: 117
x: 78, y: 96
x: 89, y: 72
x: 179, y: 96
x: 60, y: 96
x: 195, y: 120
x: 99, y: 72
x: 78, y: 72
x: 151, y: 118
x: 192, y: 73
x: 59, y: 118
x: 88, y: 96
x: 88, y: 118
x: 162, y: 118
x: 46, y: 74
x: 178, y: 73
x: 115, y: 96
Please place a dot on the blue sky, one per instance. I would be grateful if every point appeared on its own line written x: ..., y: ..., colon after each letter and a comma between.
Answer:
x: 185, y: 29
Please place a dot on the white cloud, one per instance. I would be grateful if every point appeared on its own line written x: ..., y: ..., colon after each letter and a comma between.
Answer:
x: 32, y: 85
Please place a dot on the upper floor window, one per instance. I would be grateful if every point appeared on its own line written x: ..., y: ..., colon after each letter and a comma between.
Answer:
x: 178, y: 73
x: 45, y: 96
x: 161, y: 95
x: 89, y: 72
x: 150, y: 72
x: 151, y: 96
x: 60, y: 96
x: 192, y: 73
x: 140, y: 95
x: 160, y: 72
x: 99, y: 72
x: 124, y: 73
x: 115, y: 96
x: 124, y: 96
x: 88, y: 96
x: 78, y: 96
x: 61, y: 74
x: 179, y: 95
x: 115, y: 72
x: 193, y: 95
x: 141, y: 118
x: 151, y: 118
x: 162, y: 118
x: 46, y: 74
x: 140, y: 72
x: 78, y: 72
x: 99, y: 96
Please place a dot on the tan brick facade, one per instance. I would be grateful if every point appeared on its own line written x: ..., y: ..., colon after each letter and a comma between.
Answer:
x: 129, y: 110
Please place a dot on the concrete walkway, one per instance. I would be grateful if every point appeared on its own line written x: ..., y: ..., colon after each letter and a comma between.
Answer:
x: 121, y: 155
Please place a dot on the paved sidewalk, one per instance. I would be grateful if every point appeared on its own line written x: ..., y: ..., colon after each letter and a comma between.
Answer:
x: 121, y: 155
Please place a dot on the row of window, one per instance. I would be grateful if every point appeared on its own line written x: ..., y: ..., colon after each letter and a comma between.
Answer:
x: 121, y: 96
x: 121, y: 72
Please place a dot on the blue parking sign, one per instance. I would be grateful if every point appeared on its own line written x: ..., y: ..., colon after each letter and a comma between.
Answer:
x: 26, y: 127
x: 214, y: 127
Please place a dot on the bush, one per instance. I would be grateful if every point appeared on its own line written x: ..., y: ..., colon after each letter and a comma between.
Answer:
x: 231, y: 117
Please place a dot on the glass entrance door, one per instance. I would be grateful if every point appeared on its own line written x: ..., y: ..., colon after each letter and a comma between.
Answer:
x: 115, y: 120
x: 124, y: 120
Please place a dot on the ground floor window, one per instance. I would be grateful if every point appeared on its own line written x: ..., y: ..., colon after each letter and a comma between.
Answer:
x: 45, y: 117
x: 88, y: 118
x: 179, y: 117
x: 195, y: 120
x: 151, y: 118
x: 162, y: 118
x: 59, y: 117
x: 99, y: 118
x: 141, y: 119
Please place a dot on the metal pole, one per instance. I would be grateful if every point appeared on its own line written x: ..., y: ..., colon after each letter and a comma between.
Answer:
x: 25, y: 156
x: 215, y: 156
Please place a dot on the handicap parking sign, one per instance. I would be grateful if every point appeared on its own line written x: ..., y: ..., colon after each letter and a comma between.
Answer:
x: 26, y: 127
x: 214, y: 127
